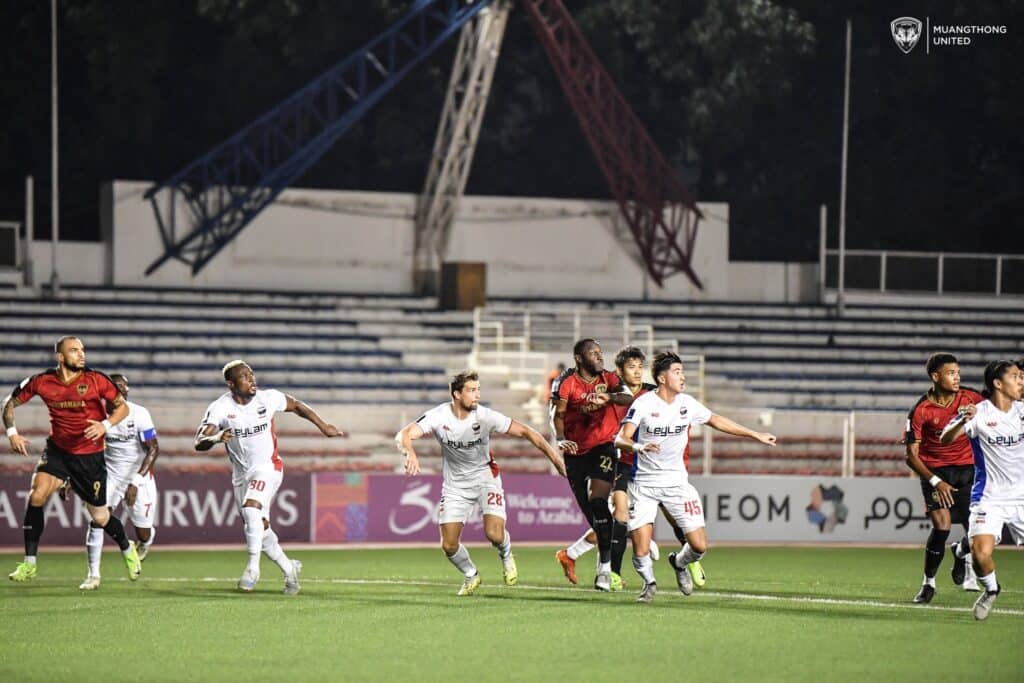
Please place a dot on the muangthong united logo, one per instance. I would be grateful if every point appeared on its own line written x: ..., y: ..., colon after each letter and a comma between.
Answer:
x: 906, y: 31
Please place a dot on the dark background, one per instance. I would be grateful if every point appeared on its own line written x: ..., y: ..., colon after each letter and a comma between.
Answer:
x: 744, y: 98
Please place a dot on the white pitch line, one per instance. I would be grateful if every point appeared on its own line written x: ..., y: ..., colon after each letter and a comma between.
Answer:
x: 565, y: 589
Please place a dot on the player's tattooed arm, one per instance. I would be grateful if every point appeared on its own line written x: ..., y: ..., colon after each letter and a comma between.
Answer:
x: 304, y: 411
x: 18, y: 443
x: 207, y: 437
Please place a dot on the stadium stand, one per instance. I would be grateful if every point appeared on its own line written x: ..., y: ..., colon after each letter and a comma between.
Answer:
x: 373, y: 362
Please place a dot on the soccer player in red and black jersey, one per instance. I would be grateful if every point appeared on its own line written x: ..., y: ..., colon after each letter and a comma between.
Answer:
x: 946, y: 472
x: 77, y: 398
x: 585, y: 427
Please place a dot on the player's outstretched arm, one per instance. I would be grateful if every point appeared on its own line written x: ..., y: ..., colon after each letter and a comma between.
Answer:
x: 19, y: 444
x: 403, y: 441
x: 303, y: 410
x: 957, y: 424
x: 521, y: 431
x: 724, y: 424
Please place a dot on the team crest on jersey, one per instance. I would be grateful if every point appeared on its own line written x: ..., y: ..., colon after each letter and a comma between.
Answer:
x: 82, y: 388
x: 600, y: 388
x: 476, y: 427
x: 262, y: 412
x: 682, y: 412
x: 655, y: 414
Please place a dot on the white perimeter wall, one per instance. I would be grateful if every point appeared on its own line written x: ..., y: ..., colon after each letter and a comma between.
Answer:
x: 363, y: 242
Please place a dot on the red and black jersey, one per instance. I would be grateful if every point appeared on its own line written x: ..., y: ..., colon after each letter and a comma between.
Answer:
x: 925, y: 423
x: 626, y: 457
x: 586, y: 424
x: 71, y: 406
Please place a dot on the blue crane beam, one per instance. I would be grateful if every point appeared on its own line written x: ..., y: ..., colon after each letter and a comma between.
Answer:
x: 228, y: 186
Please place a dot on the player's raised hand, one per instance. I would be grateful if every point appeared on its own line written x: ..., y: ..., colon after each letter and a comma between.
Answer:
x: 598, y: 398
x: 330, y: 430
x: 19, y: 444
x: 765, y: 438
x: 969, y: 411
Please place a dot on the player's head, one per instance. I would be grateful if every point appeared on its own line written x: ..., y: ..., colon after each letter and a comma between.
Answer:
x: 944, y: 371
x: 240, y: 378
x: 465, y: 389
x: 630, y: 364
x: 667, y: 369
x: 1003, y: 377
x: 70, y: 353
x: 121, y: 382
x: 587, y: 354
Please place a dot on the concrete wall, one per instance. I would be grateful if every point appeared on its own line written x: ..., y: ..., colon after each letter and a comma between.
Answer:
x: 363, y: 242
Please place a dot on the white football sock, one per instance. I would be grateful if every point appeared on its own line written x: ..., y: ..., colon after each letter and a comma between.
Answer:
x: 989, y: 582
x: 580, y: 547
x: 152, y: 537
x: 272, y: 549
x: 31, y: 559
x: 94, y: 549
x: 253, y: 521
x: 688, y: 555
x: 928, y: 581
x: 604, y: 567
x: 642, y: 565
x: 462, y: 562
x: 505, y: 547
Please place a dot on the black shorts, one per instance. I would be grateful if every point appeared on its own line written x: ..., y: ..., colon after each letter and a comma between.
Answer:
x: 623, y: 475
x: 87, y: 473
x: 597, y: 463
x: 960, y: 477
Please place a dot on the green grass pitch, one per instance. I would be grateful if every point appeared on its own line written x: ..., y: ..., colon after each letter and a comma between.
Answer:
x: 788, y: 614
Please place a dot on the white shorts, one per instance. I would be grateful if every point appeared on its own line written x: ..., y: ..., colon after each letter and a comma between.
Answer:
x: 681, y: 502
x: 260, y: 486
x: 458, y: 504
x: 989, y: 518
x: 143, y: 513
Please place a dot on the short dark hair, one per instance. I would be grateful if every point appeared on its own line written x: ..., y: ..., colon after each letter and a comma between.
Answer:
x: 580, y: 346
x: 59, y: 344
x: 114, y: 376
x: 627, y: 354
x: 937, y: 360
x: 459, y: 381
x: 1020, y: 362
x: 663, y: 360
x: 993, y: 371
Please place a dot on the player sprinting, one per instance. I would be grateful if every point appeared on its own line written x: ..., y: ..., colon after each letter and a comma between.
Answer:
x: 585, y: 428
x: 946, y: 472
x: 131, y: 452
x: 463, y: 428
x: 243, y: 420
x: 661, y: 420
x: 629, y: 364
x: 77, y: 398
x: 995, y: 428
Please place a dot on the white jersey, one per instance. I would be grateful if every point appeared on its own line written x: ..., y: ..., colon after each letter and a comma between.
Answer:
x: 253, y: 447
x: 124, y: 452
x: 465, y: 444
x: 997, y: 439
x: 668, y: 425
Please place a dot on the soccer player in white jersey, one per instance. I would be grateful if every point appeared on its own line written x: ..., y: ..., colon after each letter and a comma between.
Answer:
x: 131, y: 452
x: 243, y: 420
x: 463, y: 427
x: 995, y: 428
x: 661, y: 421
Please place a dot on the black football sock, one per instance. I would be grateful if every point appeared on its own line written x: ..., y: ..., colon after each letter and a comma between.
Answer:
x: 33, y: 527
x: 934, y: 551
x: 115, y: 530
x: 602, y: 527
x: 618, y: 545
